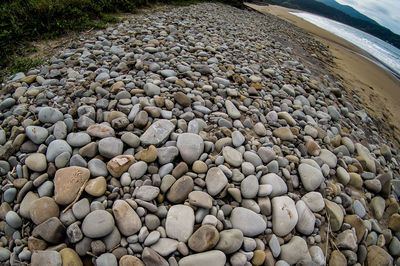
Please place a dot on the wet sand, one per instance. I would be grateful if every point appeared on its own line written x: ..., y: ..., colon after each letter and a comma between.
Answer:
x: 377, y: 88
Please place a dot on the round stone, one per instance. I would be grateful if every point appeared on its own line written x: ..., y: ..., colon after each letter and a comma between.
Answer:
x: 284, y: 215
x: 50, y: 115
x: 232, y: 156
x: 36, y: 162
x: 205, y: 238
x: 126, y: 218
x: 96, y: 187
x: 13, y: 220
x: 249, y: 222
x: 110, y: 147
x: 97, y: 224
x: 190, y: 147
x: 36, y: 134
x: 57, y: 147
x: 43, y: 209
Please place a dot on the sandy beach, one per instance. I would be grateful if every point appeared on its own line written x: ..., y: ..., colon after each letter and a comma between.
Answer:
x: 378, y: 89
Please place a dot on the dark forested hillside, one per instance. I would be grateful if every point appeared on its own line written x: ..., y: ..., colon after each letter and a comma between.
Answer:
x: 347, y: 10
x: 335, y: 14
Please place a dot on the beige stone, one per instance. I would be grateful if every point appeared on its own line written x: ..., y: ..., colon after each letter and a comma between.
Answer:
x: 67, y: 183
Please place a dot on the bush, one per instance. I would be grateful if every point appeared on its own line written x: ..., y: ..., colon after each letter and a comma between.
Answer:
x: 22, y: 21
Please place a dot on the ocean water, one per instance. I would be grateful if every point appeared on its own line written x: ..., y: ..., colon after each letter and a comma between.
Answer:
x: 386, y: 55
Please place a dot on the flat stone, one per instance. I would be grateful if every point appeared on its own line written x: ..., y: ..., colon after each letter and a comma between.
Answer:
x: 358, y: 224
x: 78, y: 139
x: 36, y: 162
x: 365, y: 156
x: 204, y: 238
x: 266, y: 154
x: 342, y: 175
x: 346, y: 240
x: 100, y: 131
x: 96, y: 187
x: 310, y: 176
x: 152, y: 258
x: 314, y: 201
x: 157, y: 133
x: 120, y: 164
x: 42, y: 209
x: 110, y: 147
x: 13, y: 220
x: 126, y: 218
x: 36, y: 134
x: 249, y: 187
x: 337, y: 258
x: 57, y: 147
x: 284, y: 215
x: 232, y: 156
x: 182, y: 99
x: 46, y: 258
x: 215, y: 181
x: 190, y: 147
x: 378, y: 256
x: 179, y: 223
x: 306, y: 222
x: 210, y: 258
x: 180, y: 190
x: 26, y: 204
x: 335, y: 214
x: 129, y: 260
x: 200, y: 199
x: 279, y: 186
x: 231, y: 109
x: 50, y: 115
x: 137, y: 170
x: 249, y: 222
x: 230, y: 241
x: 165, y: 246
x: 106, y: 259
x: 51, y: 230
x: 97, y: 224
x: 67, y: 183
x: 70, y: 257
x: 300, y: 246
x: 284, y: 133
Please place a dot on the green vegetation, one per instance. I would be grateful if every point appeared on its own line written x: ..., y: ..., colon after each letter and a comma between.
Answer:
x: 335, y: 14
x: 22, y: 21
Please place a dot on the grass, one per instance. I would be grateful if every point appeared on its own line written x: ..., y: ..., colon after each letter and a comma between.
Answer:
x: 24, y: 21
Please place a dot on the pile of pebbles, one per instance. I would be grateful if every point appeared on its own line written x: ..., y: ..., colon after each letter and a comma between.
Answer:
x: 191, y: 136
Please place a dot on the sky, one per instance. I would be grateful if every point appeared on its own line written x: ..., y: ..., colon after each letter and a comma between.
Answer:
x: 385, y: 12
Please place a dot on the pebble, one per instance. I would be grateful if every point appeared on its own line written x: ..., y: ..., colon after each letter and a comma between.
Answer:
x: 213, y: 257
x: 46, y: 258
x: 36, y: 162
x: 204, y: 238
x: 284, y: 215
x: 215, y: 181
x: 310, y: 176
x: 126, y: 218
x: 36, y: 134
x: 230, y: 241
x: 249, y: 222
x: 232, y: 156
x: 301, y: 254
x: 67, y: 183
x: 97, y: 224
x: 190, y: 147
x: 179, y: 223
x: 42, y: 209
x: 50, y: 115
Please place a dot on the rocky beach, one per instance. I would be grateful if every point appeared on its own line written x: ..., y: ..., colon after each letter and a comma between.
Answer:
x: 196, y: 135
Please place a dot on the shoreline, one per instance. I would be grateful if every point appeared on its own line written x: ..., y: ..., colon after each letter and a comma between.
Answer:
x: 377, y: 88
